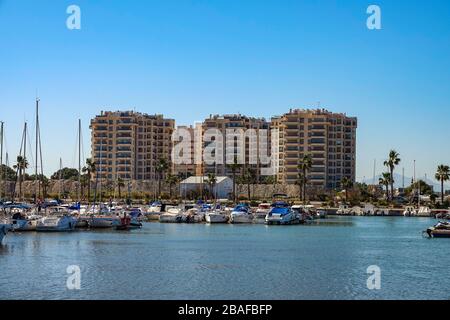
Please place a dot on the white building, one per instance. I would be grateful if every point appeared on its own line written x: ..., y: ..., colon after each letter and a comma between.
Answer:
x: 223, y: 188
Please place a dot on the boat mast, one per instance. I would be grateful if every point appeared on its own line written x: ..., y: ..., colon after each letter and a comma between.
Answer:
x: 1, y: 159
x: 22, y: 196
x: 79, y: 162
x: 59, y: 177
x: 36, y: 181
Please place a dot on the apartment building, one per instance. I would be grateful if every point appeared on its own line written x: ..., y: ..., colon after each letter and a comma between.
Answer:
x: 190, y: 166
x: 330, y: 139
x: 251, y: 144
x: 129, y: 144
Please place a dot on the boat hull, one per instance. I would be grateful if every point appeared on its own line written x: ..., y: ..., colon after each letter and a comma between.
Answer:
x: 25, y: 225
x: 102, y: 222
x: 438, y: 233
x: 170, y: 218
x: 216, y: 218
x: 282, y: 220
x: 241, y: 218
x: 62, y: 224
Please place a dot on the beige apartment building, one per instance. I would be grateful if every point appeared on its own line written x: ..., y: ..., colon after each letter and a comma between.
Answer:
x: 129, y: 144
x: 251, y: 149
x: 190, y: 168
x: 330, y: 139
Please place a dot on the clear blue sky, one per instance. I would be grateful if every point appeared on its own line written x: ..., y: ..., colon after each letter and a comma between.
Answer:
x: 187, y: 59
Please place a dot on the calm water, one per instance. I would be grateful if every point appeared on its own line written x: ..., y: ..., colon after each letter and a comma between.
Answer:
x: 327, y: 260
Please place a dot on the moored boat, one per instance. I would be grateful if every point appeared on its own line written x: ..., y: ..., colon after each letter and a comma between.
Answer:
x: 58, y: 220
x: 282, y: 214
x: 216, y: 216
x: 440, y: 230
x: 241, y: 214
x: 261, y: 213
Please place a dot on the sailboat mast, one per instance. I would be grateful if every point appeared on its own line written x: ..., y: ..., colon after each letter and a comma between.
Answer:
x: 59, y: 177
x: 1, y: 159
x: 24, y: 157
x: 79, y: 161
x: 36, y: 181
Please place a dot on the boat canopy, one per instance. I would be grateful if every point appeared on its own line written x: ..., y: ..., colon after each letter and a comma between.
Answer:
x: 241, y: 208
x: 280, y: 204
x: 280, y: 210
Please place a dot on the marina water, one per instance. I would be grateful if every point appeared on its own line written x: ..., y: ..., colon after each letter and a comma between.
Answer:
x: 325, y: 260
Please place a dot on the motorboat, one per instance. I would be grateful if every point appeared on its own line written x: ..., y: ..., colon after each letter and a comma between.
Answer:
x: 343, y: 210
x: 410, y: 212
x: 424, y: 212
x: 58, y: 220
x: 4, y: 228
x: 369, y: 209
x: 261, y: 213
x: 441, y: 214
x: 241, y: 214
x: 217, y: 215
x: 282, y: 214
x: 321, y: 213
x: 127, y: 222
x: 102, y: 217
x: 155, y: 207
x: 173, y: 214
x: 356, y: 211
x: 303, y: 215
x: 102, y: 221
x: 440, y: 230
x: 22, y: 219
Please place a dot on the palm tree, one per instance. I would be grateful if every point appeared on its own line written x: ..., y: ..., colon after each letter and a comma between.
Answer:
x: 300, y: 181
x: 304, y: 166
x: 346, y: 183
x: 392, y: 161
x: 120, y: 185
x: 385, y: 180
x: 161, y: 168
x: 89, y: 169
x: 171, y: 180
x: 234, y: 167
x: 84, y: 183
x: 211, y: 181
x: 22, y: 164
x: 248, y: 178
x: 442, y: 175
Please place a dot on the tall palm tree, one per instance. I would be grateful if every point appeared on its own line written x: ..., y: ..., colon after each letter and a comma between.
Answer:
x: 161, y: 168
x: 442, y: 175
x: 385, y: 180
x: 89, y: 169
x: 171, y: 180
x: 300, y: 180
x: 248, y: 178
x: 234, y: 167
x: 346, y: 183
x: 392, y: 161
x: 21, y: 166
x: 211, y: 181
x: 120, y: 185
x: 304, y: 166
x: 84, y: 183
